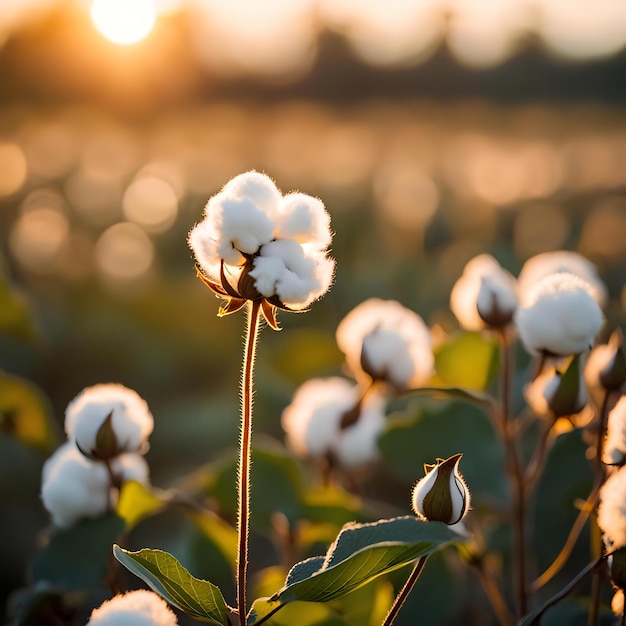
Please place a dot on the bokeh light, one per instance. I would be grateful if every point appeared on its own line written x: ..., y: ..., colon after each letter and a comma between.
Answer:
x: 151, y: 203
x: 124, y: 22
x: 124, y: 253
x: 13, y: 168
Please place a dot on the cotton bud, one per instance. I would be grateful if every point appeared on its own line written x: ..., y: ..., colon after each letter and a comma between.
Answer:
x: 74, y: 487
x: 614, y: 451
x: 484, y: 296
x: 442, y: 494
x: 560, y: 316
x: 559, y: 261
x: 612, y: 510
x: 135, y: 608
x: 107, y: 420
x: 384, y: 341
x: 606, y: 365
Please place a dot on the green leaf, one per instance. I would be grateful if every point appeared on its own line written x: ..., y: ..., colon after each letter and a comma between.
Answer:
x: 300, y: 613
x: 166, y: 576
x: 439, y: 431
x: 25, y: 413
x: 363, y: 552
x: 78, y: 557
x: 15, y: 319
x: 467, y: 360
x: 136, y: 502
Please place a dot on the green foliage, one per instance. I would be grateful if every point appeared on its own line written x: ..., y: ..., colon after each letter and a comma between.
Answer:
x: 167, y: 577
x: 361, y: 553
x: 429, y: 431
x: 25, y: 413
x: 78, y: 557
x: 466, y: 360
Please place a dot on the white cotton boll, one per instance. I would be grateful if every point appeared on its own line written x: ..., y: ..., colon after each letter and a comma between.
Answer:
x: 311, y: 421
x: 612, y: 509
x: 73, y: 487
x: 387, y: 356
x: 131, y: 420
x: 615, y: 444
x: 357, y: 445
x: 560, y: 316
x: 258, y: 188
x: 392, y: 318
x: 483, y: 284
x: 541, y: 265
x: 131, y: 466
x: 241, y: 227
x: 203, y: 241
x: 135, y: 608
x: 283, y: 270
x: 305, y: 220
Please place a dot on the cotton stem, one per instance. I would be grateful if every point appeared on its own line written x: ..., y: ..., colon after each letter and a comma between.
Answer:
x: 405, y: 591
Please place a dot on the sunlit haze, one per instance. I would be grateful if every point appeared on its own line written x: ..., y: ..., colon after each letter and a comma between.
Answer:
x: 124, y: 22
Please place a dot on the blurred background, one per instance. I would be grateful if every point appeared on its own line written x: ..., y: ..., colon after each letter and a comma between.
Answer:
x: 432, y: 129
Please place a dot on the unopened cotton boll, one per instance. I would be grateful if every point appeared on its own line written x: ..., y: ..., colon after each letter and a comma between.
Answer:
x: 612, y: 510
x: 615, y: 444
x: 73, y: 487
x: 442, y: 495
x: 135, y: 608
x: 560, y: 261
x: 484, y: 296
x: 107, y: 420
x: 385, y: 341
x: 560, y: 316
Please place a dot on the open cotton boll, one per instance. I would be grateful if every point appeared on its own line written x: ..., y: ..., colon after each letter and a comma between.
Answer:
x: 612, y: 510
x: 131, y: 466
x: 312, y: 420
x: 615, y: 444
x: 73, y: 487
x: 131, y: 421
x: 305, y: 220
x: 384, y: 335
x: 560, y: 261
x: 560, y: 316
x: 135, y: 608
x: 357, y: 445
x: 485, y: 291
x: 258, y: 188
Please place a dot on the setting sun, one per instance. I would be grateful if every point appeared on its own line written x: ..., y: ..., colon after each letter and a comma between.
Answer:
x: 124, y: 21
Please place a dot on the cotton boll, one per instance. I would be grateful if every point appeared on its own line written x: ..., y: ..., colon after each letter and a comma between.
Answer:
x: 560, y: 316
x: 357, y: 445
x: 484, y: 295
x: 612, y: 510
x: 258, y: 188
x: 561, y: 261
x: 73, y: 487
x: 203, y: 239
x: 386, y: 356
x: 312, y: 420
x: 305, y: 220
x: 132, y: 466
x: 131, y: 421
x: 135, y: 608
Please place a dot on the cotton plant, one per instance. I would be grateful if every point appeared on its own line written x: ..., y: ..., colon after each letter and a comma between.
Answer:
x: 108, y: 426
x: 135, y: 608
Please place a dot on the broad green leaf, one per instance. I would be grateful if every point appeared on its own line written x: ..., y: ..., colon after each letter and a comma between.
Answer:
x: 137, y: 502
x: 436, y: 431
x: 25, y: 413
x: 363, y: 552
x: 166, y: 576
x: 78, y: 557
x: 466, y: 360
x: 15, y: 319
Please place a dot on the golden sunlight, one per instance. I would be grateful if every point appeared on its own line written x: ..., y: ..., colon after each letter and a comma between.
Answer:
x: 124, y: 22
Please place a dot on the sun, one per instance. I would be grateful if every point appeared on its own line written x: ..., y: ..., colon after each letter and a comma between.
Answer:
x: 124, y: 21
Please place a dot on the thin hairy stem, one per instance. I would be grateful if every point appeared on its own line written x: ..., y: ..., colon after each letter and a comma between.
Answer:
x: 555, y: 599
x: 560, y: 560
x: 405, y: 591
x: 596, y: 536
x: 243, y: 510
x: 516, y: 477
